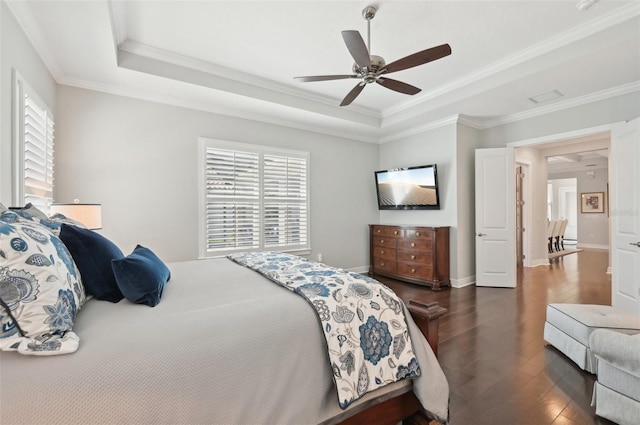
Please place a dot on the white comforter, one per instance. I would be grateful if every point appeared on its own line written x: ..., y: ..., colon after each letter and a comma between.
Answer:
x: 224, y: 346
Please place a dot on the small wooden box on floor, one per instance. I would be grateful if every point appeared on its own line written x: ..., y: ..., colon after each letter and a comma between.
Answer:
x: 413, y: 254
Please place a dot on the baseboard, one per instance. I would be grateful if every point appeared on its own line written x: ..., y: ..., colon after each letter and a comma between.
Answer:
x: 361, y: 270
x: 461, y: 283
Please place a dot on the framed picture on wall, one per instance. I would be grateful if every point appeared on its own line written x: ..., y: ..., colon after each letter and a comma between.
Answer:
x: 592, y: 202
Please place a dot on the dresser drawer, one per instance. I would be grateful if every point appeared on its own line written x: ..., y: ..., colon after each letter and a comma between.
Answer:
x: 384, y: 241
x: 386, y: 231
x: 421, y: 258
x: 416, y: 244
x: 417, y: 233
x: 415, y: 271
x: 382, y: 265
x: 384, y: 253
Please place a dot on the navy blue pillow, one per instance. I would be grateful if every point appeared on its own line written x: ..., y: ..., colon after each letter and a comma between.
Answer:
x: 93, y: 253
x: 141, y: 276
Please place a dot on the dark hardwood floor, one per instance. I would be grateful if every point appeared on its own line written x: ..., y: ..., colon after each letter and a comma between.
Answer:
x: 499, y: 368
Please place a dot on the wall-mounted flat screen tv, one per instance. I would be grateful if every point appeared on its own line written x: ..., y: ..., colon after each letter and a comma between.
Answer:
x: 413, y: 188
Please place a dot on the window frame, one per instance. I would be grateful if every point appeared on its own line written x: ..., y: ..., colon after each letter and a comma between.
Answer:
x: 261, y: 150
x: 21, y: 90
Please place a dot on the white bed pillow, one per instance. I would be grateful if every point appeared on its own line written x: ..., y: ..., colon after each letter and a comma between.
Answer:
x: 40, y: 290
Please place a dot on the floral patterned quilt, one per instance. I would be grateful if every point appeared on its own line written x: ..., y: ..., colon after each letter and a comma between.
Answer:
x: 363, y: 321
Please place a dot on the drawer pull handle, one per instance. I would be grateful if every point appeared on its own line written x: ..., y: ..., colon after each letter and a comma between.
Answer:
x: 413, y: 270
x: 382, y: 264
x: 382, y: 251
x: 413, y: 257
x: 381, y: 240
x: 395, y: 232
x: 378, y: 230
x: 417, y: 233
x: 412, y: 244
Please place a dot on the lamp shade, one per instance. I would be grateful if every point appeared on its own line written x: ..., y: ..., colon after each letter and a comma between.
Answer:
x: 88, y: 214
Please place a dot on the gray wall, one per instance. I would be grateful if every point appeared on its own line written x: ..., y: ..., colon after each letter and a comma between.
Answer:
x: 16, y: 52
x: 451, y: 147
x: 139, y: 159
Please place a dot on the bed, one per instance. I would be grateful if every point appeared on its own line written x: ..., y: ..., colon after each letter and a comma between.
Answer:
x: 226, y: 345
x: 207, y: 354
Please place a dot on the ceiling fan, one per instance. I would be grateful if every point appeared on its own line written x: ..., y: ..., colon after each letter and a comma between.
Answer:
x: 371, y: 68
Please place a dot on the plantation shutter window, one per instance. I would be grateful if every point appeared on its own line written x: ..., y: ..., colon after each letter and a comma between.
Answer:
x: 285, y: 201
x: 233, y: 199
x: 253, y: 198
x: 33, y: 148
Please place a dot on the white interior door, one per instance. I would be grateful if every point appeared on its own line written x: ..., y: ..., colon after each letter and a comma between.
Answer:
x: 495, y: 218
x: 625, y: 216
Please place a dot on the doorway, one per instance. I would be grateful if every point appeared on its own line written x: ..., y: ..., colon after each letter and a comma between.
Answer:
x: 563, y: 203
x: 569, y: 155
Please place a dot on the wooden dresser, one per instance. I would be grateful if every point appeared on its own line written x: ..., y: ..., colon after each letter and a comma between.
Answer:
x: 413, y: 254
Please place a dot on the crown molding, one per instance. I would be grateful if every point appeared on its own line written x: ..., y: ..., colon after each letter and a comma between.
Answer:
x: 566, y: 104
x: 359, y: 123
x: 22, y: 14
x: 420, y: 128
x: 356, y: 134
x: 575, y: 34
x: 165, y: 56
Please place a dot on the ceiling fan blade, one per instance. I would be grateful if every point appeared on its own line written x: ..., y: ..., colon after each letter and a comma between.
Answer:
x: 419, y: 58
x: 398, y: 86
x: 352, y: 94
x: 357, y: 48
x: 324, y: 78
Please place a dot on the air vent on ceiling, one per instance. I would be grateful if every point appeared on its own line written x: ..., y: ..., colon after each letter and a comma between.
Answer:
x: 546, y: 97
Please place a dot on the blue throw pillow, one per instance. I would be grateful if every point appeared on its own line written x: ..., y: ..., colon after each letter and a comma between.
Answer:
x: 141, y: 276
x: 93, y: 253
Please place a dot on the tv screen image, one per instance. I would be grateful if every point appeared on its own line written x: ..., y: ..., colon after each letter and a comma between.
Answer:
x: 408, y: 188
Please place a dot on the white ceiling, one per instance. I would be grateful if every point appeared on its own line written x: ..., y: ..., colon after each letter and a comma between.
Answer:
x: 239, y: 57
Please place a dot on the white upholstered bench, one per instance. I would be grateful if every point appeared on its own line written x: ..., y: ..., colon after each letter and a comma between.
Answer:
x: 569, y: 326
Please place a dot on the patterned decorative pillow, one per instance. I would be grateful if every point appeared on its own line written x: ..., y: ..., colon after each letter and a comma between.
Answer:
x: 29, y: 212
x: 40, y: 290
x: 53, y: 223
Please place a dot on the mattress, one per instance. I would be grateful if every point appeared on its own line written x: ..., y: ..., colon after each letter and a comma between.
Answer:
x: 224, y: 346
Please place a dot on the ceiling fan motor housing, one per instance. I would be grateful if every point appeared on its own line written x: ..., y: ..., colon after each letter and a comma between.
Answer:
x: 377, y: 63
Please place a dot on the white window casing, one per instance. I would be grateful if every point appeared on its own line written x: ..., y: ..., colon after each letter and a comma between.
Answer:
x: 33, y: 143
x: 252, y: 198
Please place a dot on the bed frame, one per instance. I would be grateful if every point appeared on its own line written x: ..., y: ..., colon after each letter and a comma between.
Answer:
x: 406, y: 407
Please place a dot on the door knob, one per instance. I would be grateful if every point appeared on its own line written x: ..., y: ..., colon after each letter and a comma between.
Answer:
x: 482, y: 234
x: 636, y: 244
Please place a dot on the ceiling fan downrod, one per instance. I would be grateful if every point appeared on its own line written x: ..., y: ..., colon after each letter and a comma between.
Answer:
x: 369, y: 13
